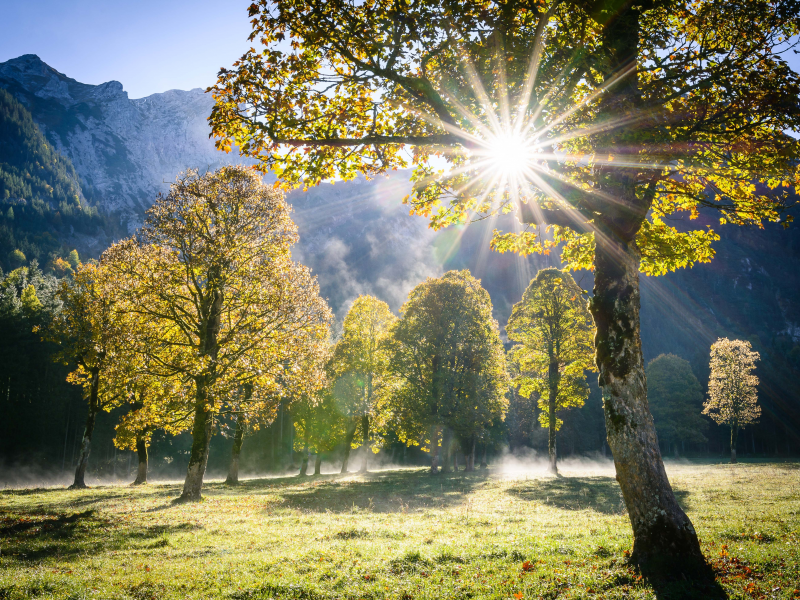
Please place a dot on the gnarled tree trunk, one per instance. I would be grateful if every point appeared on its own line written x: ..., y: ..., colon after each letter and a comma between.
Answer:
x: 203, y: 415
x: 141, y: 453
x: 348, y: 442
x: 660, y: 527
x: 238, y: 438
x: 86, y: 443
x: 201, y: 442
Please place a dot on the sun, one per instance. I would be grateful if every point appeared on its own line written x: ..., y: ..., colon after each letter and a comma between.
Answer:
x: 509, y: 154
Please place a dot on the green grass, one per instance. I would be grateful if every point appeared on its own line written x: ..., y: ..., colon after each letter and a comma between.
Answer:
x: 393, y: 534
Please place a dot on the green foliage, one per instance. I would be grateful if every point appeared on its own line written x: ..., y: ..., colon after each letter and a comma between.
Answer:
x: 676, y: 400
x: 73, y: 259
x: 447, y: 360
x: 554, y: 334
x: 612, y: 124
x: 361, y: 359
x: 17, y: 258
x: 35, y: 399
x: 30, y: 303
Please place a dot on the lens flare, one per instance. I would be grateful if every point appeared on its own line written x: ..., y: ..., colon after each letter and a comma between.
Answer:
x: 509, y: 154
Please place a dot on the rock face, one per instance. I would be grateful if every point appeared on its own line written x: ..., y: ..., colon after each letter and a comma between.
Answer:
x: 126, y: 151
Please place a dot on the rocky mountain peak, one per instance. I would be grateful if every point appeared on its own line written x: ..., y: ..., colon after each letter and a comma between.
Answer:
x: 125, y: 151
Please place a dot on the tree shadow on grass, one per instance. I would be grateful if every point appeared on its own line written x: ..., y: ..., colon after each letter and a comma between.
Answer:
x: 601, y: 494
x: 380, y: 492
x: 66, y: 535
x: 679, y: 580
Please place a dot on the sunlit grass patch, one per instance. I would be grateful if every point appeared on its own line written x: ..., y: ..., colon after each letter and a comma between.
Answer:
x: 396, y: 534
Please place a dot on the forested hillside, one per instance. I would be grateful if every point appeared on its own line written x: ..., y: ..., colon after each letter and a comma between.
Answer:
x: 43, y: 210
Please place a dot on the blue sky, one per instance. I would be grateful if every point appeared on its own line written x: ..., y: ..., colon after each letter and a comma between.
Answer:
x: 148, y: 45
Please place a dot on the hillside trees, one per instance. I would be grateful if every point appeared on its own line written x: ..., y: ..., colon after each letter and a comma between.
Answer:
x: 362, y: 357
x: 218, y: 301
x: 676, y: 400
x: 733, y: 387
x: 553, y: 330
x: 597, y: 119
x: 448, y: 364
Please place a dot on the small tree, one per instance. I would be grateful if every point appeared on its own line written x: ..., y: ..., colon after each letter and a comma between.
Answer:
x: 218, y: 301
x: 675, y: 399
x: 320, y: 427
x: 732, y: 387
x: 361, y: 354
x: 554, y: 331
x: 89, y: 331
x: 448, y: 364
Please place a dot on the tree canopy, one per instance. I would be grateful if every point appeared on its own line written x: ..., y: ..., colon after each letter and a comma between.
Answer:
x: 554, y: 333
x: 338, y: 88
x: 676, y: 401
x: 218, y: 302
x: 448, y: 362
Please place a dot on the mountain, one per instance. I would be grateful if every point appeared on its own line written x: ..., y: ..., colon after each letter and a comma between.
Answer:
x: 43, y: 211
x: 358, y: 237
x: 126, y: 151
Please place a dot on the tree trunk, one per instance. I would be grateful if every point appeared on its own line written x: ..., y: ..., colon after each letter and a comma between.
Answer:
x: 472, y: 455
x: 434, y: 450
x: 447, y: 443
x: 552, y: 394
x: 238, y: 438
x: 367, y: 449
x: 455, y: 461
x: 317, y: 463
x: 348, y: 442
x: 484, y: 464
x: 734, y: 439
x: 660, y: 527
x: 201, y: 442
x: 304, y: 462
x: 141, y: 453
x: 88, y: 430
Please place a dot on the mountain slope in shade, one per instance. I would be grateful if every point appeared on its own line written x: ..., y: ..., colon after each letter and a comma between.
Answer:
x: 126, y: 151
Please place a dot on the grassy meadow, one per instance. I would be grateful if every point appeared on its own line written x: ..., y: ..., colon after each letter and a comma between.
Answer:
x: 397, y: 534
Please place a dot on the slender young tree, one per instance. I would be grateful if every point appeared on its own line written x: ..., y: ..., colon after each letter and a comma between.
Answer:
x: 320, y: 427
x: 597, y: 119
x: 733, y: 387
x: 554, y: 334
x: 89, y: 330
x: 218, y: 301
x: 361, y: 355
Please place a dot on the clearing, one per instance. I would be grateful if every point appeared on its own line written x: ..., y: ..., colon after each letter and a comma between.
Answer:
x: 394, y: 534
